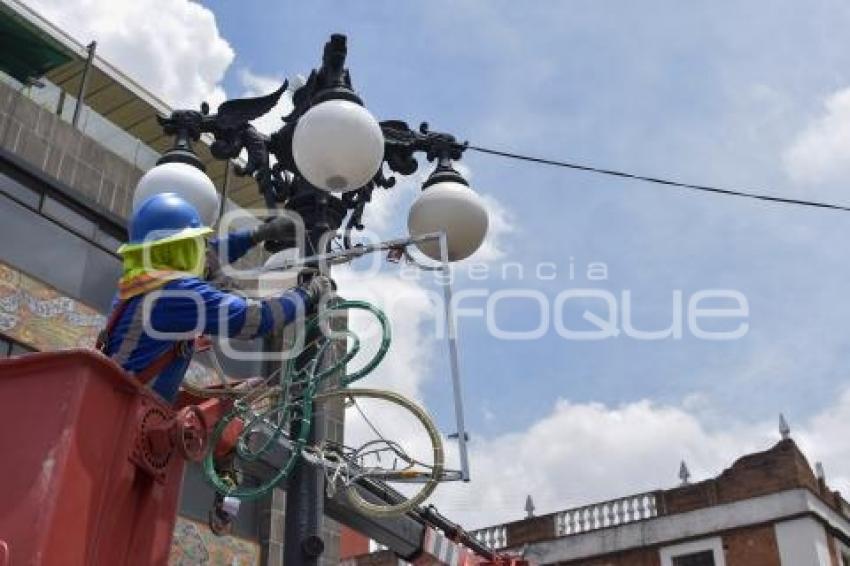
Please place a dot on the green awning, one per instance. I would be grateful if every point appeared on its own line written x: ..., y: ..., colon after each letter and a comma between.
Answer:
x: 25, y: 53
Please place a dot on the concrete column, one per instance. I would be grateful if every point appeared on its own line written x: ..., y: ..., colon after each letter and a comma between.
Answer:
x: 802, y: 542
x: 271, y: 529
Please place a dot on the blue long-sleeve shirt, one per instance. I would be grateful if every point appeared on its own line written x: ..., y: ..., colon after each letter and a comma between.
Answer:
x: 191, y: 306
x: 237, y: 243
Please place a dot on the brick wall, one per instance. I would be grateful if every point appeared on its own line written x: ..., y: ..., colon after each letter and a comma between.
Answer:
x: 753, y: 546
x: 780, y: 468
x: 637, y: 557
x: 380, y: 558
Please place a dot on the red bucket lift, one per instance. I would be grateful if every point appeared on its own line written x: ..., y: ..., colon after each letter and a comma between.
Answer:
x: 92, y: 463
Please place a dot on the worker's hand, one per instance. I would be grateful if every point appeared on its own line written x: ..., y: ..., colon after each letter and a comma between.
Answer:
x: 279, y: 228
x: 317, y: 288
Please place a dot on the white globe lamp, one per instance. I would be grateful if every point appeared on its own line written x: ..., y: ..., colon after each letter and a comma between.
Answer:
x: 450, y: 206
x: 338, y: 146
x: 187, y: 181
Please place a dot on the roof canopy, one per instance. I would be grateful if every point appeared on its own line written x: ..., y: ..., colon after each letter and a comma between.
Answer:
x: 31, y: 47
x: 25, y: 53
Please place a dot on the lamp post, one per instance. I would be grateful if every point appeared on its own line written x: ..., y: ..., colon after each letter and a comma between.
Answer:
x: 330, y: 154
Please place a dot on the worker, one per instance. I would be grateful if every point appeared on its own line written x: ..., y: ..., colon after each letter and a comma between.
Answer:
x: 161, y: 293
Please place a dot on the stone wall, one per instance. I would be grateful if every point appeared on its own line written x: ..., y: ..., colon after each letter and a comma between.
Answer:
x: 52, y: 145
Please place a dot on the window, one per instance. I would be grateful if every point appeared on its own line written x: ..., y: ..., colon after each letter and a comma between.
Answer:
x: 706, y: 552
x: 107, y: 240
x: 68, y: 217
x: 9, y: 347
x: 702, y: 558
x: 18, y: 349
x: 18, y: 191
x: 62, y: 210
x: 88, y: 273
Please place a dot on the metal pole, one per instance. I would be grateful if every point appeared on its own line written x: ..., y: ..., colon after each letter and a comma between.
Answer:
x: 81, y: 93
x: 225, y: 189
x: 303, y: 544
x: 453, y: 356
x: 60, y: 104
x: 302, y: 540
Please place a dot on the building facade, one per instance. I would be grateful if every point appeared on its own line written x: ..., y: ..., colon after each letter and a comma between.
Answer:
x: 767, y: 509
x: 67, y: 177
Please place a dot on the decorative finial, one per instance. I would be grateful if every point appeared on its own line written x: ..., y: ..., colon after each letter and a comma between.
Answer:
x: 684, y: 473
x: 819, y: 471
x: 529, y: 507
x: 784, y: 429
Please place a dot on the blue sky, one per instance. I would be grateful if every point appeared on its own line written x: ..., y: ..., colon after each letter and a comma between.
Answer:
x: 748, y: 95
x: 712, y: 92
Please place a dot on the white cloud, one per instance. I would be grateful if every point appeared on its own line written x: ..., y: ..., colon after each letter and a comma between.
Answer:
x: 256, y: 85
x: 410, y: 310
x: 821, y: 152
x: 825, y: 439
x: 409, y: 304
x: 582, y: 453
x: 386, y: 214
x: 575, y: 453
x: 171, y: 47
x: 501, y: 225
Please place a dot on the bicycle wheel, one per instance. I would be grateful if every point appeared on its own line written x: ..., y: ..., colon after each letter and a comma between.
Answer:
x: 363, y: 459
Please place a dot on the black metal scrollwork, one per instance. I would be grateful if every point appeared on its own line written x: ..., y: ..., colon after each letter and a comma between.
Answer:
x: 282, y: 183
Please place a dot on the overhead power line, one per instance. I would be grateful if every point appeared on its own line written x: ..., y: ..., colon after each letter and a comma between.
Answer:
x: 660, y: 181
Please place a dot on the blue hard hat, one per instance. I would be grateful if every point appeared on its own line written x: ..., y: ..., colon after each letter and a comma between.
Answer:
x: 164, y: 217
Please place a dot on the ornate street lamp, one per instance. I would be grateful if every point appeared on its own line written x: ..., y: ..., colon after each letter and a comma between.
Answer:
x: 329, y: 156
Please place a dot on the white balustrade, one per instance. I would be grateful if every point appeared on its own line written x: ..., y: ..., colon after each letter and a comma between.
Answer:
x: 606, y: 514
x: 493, y: 537
x: 584, y: 519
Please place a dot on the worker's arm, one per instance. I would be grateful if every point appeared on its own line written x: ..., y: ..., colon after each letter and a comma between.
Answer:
x: 191, y: 305
x: 238, y: 243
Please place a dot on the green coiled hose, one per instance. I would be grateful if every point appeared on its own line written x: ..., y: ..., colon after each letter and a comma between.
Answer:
x: 290, y: 414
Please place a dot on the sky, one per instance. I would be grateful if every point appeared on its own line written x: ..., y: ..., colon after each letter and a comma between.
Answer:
x: 754, y: 96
